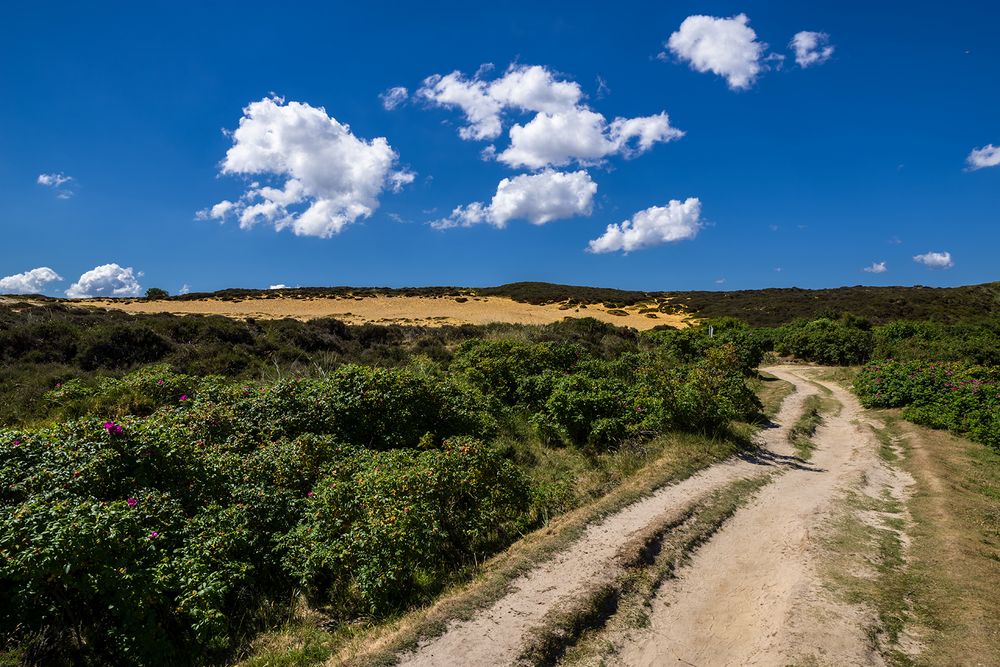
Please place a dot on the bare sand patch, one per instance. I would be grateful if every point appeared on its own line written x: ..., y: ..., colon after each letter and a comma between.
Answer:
x: 413, y: 310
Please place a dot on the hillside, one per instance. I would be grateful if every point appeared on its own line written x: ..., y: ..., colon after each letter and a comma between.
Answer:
x: 764, y: 307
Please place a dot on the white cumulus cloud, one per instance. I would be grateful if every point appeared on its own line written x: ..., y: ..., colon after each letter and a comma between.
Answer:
x: 677, y: 221
x: 876, y: 267
x: 811, y: 48
x: 538, y: 198
x: 562, y: 129
x: 393, y: 97
x: 987, y: 156
x: 725, y: 46
x: 935, y: 260
x: 29, y: 282
x: 331, y: 177
x: 106, y: 280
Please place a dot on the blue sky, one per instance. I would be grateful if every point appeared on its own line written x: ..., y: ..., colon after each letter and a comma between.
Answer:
x: 819, y: 171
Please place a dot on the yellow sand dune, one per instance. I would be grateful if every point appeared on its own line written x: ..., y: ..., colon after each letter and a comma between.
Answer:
x: 416, y: 310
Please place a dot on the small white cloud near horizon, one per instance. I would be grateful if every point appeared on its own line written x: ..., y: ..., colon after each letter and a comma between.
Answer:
x: 393, y: 97
x: 562, y: 130
x: 331, y: 177
x: 811, y: 48
x: 935, y: 260
x: 106, y: 280
x: 185, y: 289
x: 980, y: 158
x: 727, y: 47
x: 538, y: 198
x: 876, y: 267
x: 656, y: 225
x: 29, y: 282
x: 56, y: 181
x: 278, y: 286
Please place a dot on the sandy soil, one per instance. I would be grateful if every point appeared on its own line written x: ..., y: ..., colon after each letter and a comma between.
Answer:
x: 752, y: 595
x: 495, y: 636
x: 425, y: 311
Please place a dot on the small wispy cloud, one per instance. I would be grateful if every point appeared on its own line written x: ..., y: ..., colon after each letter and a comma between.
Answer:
x: 876, y: 267
x: 59, y: 182
x: 811, y: 48
x: 980, y: 158
x: 393, y: 97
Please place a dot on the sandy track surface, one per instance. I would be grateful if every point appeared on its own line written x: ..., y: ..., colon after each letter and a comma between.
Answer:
x: 752, y: 595
x: 417, y: 310
x: 495, y: 635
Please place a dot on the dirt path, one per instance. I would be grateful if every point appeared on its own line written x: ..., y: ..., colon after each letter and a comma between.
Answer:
x: 753, y: 595
x: 495, y: 636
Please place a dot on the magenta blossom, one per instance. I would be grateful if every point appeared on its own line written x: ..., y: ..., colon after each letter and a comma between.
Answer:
x: 184, y: 397
x: 16, y: 443
x: 310, y: 494
x: 132, y: 502
x: 113, y: 428
x: 153, y: 535
x: 159, y: 382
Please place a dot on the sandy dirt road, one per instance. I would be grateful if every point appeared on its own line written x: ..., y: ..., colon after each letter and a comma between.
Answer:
x: 753, y: 595
x: 495, y: 636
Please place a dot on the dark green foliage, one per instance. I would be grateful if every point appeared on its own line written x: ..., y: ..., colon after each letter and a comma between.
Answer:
x: 154, y: 293
x: 843, y: 342
x: 689, y: 345
x: 773, y: 307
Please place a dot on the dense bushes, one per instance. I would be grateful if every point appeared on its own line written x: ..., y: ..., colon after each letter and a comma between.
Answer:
x: 848, y: 341
x: 387, y: 523
x: 960, y: 397
x: 156, y: 516
x: 154, y: 540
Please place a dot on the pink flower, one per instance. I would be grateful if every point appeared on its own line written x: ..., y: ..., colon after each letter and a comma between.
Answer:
x: 310, y: 494
x: 153, y: 535
x: 132, y: 502
x: 113, y: 428
x: 184, y: 397
x: 16, y: 443
x: 159, y: 382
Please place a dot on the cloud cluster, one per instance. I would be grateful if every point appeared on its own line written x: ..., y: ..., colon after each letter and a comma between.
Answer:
x: 563, y: 129
x: 29, y: 282
x: 107, y: 280
x: 987, y: 156
x: 677, y: 221
x: 538, y: 198
x: 935, y: 260
x: 876, y: 267
x: 811, y: 48
x: 729, y: 48
x: 724, y: 46
x: 59, y: 182
x: 331, y: 177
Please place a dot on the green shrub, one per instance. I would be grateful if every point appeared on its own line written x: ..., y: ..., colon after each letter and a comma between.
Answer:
x: 384, y: 524
x: 841, y: 342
